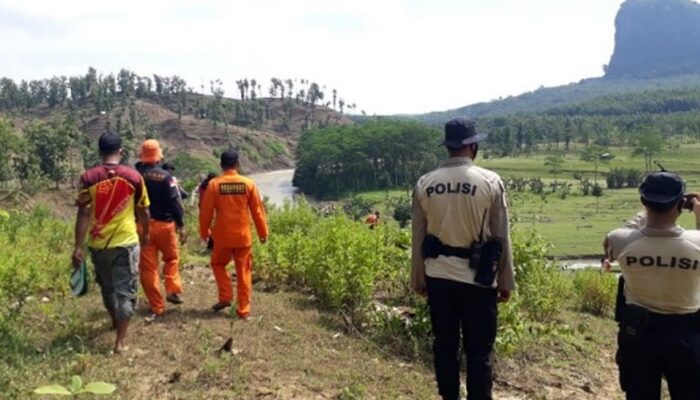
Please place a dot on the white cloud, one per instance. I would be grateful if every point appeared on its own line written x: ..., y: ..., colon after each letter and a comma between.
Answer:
x: 388, y: 56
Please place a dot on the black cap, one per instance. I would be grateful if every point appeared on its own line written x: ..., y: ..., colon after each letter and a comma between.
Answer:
x: 460, y: 132
x: 662, y: 188
x: 109, y: 143
x: 229, y: 157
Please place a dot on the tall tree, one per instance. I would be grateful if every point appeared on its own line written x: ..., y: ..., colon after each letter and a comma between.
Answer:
x: 554, y: 162
x: 49, y: 146
x: 647, y: 144
x: 596, y: 154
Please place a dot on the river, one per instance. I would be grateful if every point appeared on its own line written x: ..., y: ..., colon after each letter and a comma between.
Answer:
x: 276, y: 185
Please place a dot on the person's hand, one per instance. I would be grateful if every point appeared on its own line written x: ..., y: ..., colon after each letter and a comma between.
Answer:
x: 77, y: 258
x: 696, y: 207
x: 183, y: 235
x: 263, y: 240
x: 503, y: 295
x: 605, y: 265
x: 690, y: 200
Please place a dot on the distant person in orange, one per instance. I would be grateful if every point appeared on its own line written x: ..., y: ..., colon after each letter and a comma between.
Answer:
x: 372, y: 220
x: 111, y: 194
x: 233, y: 198
x: 166, y: 224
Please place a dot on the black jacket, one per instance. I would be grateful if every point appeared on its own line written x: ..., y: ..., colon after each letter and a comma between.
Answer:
x: 163, y: 193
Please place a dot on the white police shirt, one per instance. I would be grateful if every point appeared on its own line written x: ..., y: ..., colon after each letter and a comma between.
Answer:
x: 450, y: 203
x: 661, y: 266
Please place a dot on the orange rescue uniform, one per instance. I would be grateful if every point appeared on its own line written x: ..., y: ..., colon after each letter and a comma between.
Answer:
x: 167, y: 214
x: 230, y: 200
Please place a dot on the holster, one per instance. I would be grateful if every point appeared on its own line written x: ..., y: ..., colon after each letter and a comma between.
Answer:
x: 620, y: 301
x: 430, y: 247
x: 485, y: 257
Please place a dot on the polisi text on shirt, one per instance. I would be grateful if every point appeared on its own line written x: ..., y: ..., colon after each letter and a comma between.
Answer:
x: 662, y: 262
x: 452, y: 187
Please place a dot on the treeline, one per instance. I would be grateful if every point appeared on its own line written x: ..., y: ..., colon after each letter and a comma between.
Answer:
x: 547, y: 98
x: 374, y: 155
x: 530, y: 133
x: 650, y: 102
x: 104, y: 92
x: 617, y: 120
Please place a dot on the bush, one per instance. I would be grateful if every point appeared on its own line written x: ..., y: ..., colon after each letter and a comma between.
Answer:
x: 615, y: 178
x: 542, y: 289
x: 338, y: 259
x: 595, y: 292
x: 34, y: 263
x: 357, y: 207
x: 402, y: 211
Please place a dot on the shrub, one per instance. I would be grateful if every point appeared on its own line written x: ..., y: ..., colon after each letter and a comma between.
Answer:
x: 542, y: 289
x: 357, y: 207
x: 402, y: 211
x: 595, y: 291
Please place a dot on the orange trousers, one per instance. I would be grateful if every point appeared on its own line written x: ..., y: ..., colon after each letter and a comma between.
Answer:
x: 243, y: 258
x: 163, y: 239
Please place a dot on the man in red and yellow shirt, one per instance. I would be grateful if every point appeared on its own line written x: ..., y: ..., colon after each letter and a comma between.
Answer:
x: 233, y: 199
x: 111, y: 195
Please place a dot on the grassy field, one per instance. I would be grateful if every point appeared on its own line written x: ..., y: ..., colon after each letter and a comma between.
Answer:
x: 577, y: 225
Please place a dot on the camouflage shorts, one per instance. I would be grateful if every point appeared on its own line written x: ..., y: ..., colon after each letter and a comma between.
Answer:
x: 117, y: 272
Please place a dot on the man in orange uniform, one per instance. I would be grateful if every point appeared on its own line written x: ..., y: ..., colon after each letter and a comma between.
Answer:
x: 231, y: 196
x: 167, y: 218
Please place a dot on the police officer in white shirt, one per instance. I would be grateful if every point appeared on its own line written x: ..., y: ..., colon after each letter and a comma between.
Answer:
x: 659, y: 332
x: 462, y: 259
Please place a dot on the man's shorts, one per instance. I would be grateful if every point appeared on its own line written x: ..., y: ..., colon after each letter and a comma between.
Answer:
x: 117, y: 271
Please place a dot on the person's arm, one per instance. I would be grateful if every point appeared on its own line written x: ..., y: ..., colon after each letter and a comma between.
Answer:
x: 637, y: 222
x: 176, y: 207
x: 696, y: 210
x: 82, y: 222
x: 419, y: 224
x: 206, y: 211
x: 499, y: 225
x: 143, y: 216
x: 257, y: 210
x: 606, y: 263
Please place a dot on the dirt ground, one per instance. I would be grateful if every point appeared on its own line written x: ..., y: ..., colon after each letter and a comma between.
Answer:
x: 289, y: 349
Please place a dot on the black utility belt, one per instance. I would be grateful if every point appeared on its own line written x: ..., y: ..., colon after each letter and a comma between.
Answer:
x: 433, y: 248
x: 636, y: 320
x: 673, y: 319
x: 483, y: 256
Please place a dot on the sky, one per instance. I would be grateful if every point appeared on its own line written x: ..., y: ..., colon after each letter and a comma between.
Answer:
x: 387, y: 56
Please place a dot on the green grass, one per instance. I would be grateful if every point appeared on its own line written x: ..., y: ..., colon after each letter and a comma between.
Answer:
x: 577, y: 225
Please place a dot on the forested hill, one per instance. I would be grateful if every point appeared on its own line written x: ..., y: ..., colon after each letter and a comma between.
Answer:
x: 545, y: 99
x: 264, y: 121
x: 655, y: 38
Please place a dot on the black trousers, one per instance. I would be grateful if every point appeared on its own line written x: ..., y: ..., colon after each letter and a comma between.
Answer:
x: 665, y: 347
x: 456, y: 306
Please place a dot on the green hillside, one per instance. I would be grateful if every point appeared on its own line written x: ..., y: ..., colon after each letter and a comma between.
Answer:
x: 544, y: 99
